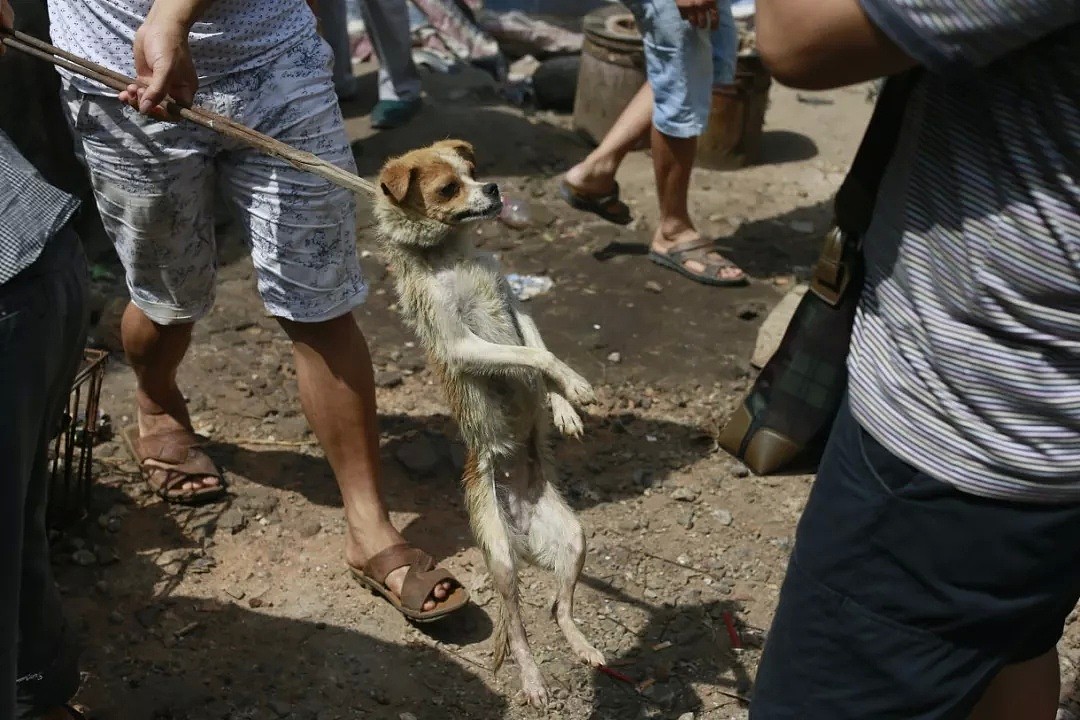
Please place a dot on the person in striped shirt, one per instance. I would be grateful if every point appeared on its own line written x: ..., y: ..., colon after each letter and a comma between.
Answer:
x: 938, y: 556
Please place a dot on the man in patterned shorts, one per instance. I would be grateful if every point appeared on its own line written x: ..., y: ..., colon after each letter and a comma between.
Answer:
x: 264, y: 65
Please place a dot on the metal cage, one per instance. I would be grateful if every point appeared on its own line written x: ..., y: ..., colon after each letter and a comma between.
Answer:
x: 72, y: 452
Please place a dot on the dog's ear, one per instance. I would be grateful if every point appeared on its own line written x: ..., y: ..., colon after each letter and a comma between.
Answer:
x: 462, y: 148
x: 395, y: 179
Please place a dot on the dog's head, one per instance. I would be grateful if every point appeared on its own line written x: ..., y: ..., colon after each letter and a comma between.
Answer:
x: 436, y: 183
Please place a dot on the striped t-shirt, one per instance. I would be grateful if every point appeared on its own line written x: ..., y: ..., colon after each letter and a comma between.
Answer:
x: 965, y: 361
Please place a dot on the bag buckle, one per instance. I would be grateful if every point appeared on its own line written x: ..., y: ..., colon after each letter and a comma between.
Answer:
x: 832, y: 273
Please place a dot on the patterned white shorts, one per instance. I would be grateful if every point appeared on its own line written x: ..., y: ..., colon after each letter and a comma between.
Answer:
x: 155, y: 186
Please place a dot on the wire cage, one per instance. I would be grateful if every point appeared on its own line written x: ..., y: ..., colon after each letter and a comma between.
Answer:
x: 72, y: 453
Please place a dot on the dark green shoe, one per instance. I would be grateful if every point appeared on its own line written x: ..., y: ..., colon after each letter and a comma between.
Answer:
x: 390, y: 114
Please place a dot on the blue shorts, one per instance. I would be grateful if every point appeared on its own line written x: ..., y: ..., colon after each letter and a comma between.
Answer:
x: 904, y: 596
x: 683, y: 63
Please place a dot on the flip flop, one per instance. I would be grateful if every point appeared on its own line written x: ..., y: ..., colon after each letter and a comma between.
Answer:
x: 420, y: 580
x: 698, y: 252
x: 179, y: 452
x: 608, y: 206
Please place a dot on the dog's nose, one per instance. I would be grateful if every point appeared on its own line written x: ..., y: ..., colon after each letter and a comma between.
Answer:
x: 491, y: 190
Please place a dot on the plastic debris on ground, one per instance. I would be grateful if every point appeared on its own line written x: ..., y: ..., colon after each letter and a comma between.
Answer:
x: 515, y: 213
x: 526, y: 287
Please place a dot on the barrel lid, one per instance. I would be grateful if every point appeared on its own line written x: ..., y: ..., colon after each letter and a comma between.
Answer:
x: 613, y: 25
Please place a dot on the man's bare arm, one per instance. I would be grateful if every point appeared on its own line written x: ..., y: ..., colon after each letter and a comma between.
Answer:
x: 822, y: 44
x: 163, y: 63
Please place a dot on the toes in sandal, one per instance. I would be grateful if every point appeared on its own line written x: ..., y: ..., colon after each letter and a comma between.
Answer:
x: 608, y: 206
x: 170, y: 459
x: 420, y: 581
x: 699, y: 252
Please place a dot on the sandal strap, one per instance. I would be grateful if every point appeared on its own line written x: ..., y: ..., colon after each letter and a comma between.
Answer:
x: 419, y: 585
x: 173, y: 447
x: 607, y: 198
x: 397, y: 556
x: 700, y: 253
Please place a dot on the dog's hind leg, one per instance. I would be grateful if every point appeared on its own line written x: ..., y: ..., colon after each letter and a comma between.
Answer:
x: 493, y: 535
x: 557, y: 543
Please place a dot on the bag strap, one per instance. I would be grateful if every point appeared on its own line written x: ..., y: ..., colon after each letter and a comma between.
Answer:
x: 854, y: 204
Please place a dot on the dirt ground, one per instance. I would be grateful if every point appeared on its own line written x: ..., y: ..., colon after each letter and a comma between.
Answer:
x: 244, y: 609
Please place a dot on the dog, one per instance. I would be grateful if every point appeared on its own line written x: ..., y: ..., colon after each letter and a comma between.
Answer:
x: 503, y: 385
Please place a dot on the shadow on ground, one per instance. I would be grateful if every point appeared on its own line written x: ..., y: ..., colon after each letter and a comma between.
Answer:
x: 422, y: 468
x: 152, y: 654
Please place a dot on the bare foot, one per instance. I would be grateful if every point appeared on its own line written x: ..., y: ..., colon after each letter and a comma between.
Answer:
x: 171, y: 415
x: 376, y: 537
x: 707, y: 262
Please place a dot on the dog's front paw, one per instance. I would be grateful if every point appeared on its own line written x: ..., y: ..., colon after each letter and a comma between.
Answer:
x: 578, y: 390
x: 565, y: 417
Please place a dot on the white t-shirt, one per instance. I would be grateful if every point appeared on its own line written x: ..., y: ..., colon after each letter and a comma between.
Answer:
x: 232, y: 35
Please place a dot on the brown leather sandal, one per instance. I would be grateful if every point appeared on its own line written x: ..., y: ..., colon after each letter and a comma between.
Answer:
x: 700, y: 251
x: 420, y: 580
x: 607, y: 206
x: 170, y: 459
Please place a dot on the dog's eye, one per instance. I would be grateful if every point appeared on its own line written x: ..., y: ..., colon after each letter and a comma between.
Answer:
x: 449, y: 190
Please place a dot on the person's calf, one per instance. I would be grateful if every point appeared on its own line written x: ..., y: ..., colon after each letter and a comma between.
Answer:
x: 1023, y: 691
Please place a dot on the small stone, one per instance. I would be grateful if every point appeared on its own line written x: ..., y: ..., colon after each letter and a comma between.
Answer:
x: 255, y: 603
x: 654, y: 287
x: 614, y: 357
x: 684, y: 494
x: 643, y: 478
x: 116, y: 617
x: 722, y: 516
x: 83, y: 558
x: 148, y: 616
x: 802, y: 226
x: 279, y: 708
x: 406, y: 716
x: 320, y: 626
x: 105, y: 555
x: 309, y: 528
x: 687, y: 716
x: 102, y: 587
x: 418, y: 455
x: 388, y: 378
x: 686, y: 518
x: 232, y: 520
x: 629, y: 524
x: 740, y: 471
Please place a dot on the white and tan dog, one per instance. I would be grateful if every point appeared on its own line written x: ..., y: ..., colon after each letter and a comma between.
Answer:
x: 500, y: 380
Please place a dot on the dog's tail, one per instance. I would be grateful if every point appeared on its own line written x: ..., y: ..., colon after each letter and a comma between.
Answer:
x: 494, y: 535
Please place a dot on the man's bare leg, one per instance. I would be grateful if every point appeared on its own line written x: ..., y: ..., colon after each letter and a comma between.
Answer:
x: 595, y: 174
x: 673, y: 161
x: 1024, y: 691
x: 155, y: 352
x: 337, y: 390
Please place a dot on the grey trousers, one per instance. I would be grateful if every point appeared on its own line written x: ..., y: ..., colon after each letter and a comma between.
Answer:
x: 387, y: 24
x: 43, y: 323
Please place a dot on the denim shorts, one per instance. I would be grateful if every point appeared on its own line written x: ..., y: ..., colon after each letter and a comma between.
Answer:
x: 683, y: 63
x: 155, y: 186
x: 904, y: 596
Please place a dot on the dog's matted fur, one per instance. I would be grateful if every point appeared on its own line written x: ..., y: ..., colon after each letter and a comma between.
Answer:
x: 500, y: 380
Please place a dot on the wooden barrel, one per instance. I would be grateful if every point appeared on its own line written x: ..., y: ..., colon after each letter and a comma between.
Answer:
x: 733, y: 138
x: 612, y: 70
